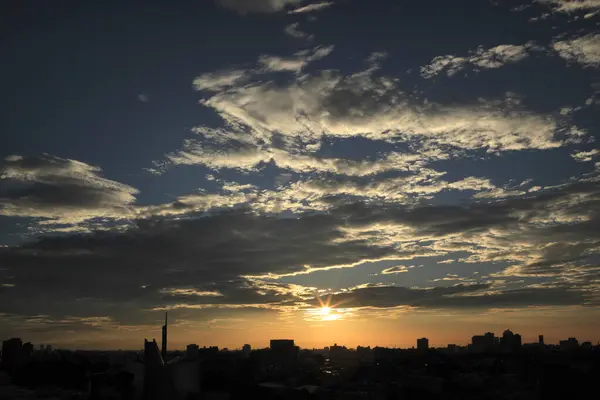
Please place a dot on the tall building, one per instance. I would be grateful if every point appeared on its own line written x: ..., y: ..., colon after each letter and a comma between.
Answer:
x: 164, y: 339
x: 11, y: 353
x: 541, y: 340
x: 155, y: 382
x: 483, y: 343
x: 510, y: 341
x: 423, y: 344
x: 191, y: 351
x: 246, y: 350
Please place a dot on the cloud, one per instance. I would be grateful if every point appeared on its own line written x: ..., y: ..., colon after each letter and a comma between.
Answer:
x: 284, y: 123
x: 481, y: 58
x: 226, y: 152
x: 196, y: 260
x: 584, y: 50
x: 256, y: 6
x: 229, y: 78
x: 277, y: 64
x: 585, y: 156
x: 394, y: 270
x: 143, y: 98
x: 61, y: 189
x: 293, y: 31
x: 296, y: 63
x: 312, y: 7
x: 219, y: 80
x: 375, y: 108
x: 458, y: 296
x: 230, y: 245
x: 573, y: 5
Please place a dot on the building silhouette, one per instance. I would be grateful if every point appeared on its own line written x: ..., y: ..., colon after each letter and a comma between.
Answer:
x: 541, y: 340
x: 173, y: 379
x: 282, y: 345
x: 423, y: 344
x: 483, y: 343
x: 191, y: 351
x: 246, y: 350
x: 510, y: 341
x: 164, y: 339
x: 11, y: 353
x: 569, y: 344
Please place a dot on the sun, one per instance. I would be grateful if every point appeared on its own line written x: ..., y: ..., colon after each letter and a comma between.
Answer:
x: 325, y: 310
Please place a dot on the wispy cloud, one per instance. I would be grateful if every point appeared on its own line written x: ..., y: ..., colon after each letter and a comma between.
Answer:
x: 572, y: 5
x: 312, y: 7
x: 294, y: 31
x: 481, y: 58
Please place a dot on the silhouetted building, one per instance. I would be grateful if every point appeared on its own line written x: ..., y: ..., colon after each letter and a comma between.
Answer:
x: 246, y: 350
x: 284, y: 348
x: 510, y: 341
x: 208, y: 351
x: 282, y: 344
x: 541, y: 340
x: 11, y: 353
x: 191, y: 351
x: 164, y: 339
x: 156, y: 384
x: 27, y: 350
x: 569, y: 344
x: 483, y: 343
x: 423, y: 344
x: 452, y: 348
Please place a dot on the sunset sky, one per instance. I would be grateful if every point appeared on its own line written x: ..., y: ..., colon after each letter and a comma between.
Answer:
x: 421, y: 168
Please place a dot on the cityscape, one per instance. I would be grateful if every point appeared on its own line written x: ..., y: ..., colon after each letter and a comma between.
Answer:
x: 494, y: 367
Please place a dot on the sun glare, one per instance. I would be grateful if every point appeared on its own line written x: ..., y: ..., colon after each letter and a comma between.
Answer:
x: 325, y: 310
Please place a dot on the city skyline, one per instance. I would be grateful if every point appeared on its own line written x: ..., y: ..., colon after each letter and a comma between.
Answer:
x: 463, y: 343
x: 351, y: 171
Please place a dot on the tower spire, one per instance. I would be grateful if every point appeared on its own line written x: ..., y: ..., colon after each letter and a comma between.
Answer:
x: 164, y: 339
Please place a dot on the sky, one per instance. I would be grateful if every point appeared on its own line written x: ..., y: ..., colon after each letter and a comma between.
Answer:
x: 362, y: 172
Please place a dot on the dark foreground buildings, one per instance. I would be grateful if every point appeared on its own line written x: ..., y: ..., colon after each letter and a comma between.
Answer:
x: 489, y: 368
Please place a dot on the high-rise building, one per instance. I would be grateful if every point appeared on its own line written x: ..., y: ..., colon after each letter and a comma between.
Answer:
x: 191, y: 351
x: 423, y: 344
x: 164, y: 340
x: 246, y: 350
x: 483, y: 343
x: 11, y: 353
x: 155, y: 384
x: 541, y: 340
x: 510, y: 341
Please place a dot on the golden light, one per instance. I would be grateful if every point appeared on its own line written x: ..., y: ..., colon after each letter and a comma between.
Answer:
x: 325, y: 310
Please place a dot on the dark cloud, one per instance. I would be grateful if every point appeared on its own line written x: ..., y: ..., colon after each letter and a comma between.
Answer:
x: 202, y: 260
x: 468, y: 296
x: 132, y: 266
x: 58, y: 188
